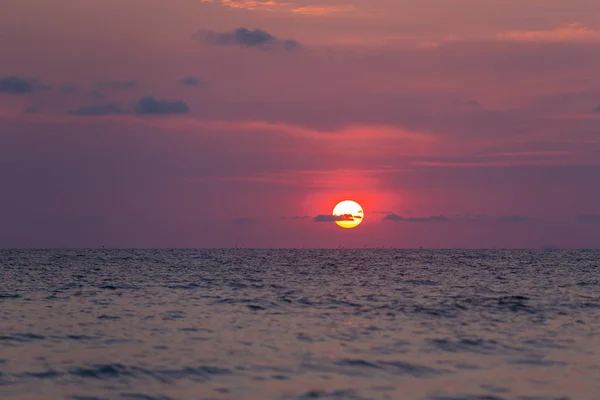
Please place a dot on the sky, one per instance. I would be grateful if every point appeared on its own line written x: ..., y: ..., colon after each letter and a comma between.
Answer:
x: 222, y: 123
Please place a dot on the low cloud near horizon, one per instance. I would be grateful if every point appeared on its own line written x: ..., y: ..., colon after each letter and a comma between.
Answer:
x: 333, y: 218
x: 245, y: 221
x: 440, y: 218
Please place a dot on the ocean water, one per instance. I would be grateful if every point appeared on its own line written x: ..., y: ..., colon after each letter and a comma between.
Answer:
x: 299, y: 324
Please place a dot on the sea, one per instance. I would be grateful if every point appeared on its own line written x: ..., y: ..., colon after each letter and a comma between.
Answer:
x: 299, y: 324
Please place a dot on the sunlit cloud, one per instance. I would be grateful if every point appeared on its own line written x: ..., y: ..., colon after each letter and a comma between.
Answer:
x: 335, y: 218
x: 575, y: 32
x: 322, y: 9
x: 273, y: 5
x: 266, y: 5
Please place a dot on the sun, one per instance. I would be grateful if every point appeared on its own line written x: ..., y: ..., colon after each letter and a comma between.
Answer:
x: 350, y: 213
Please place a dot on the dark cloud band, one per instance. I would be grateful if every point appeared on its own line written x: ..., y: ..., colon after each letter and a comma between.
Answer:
x: 16, y: 85
x: 145, y: 106
x: 243, y: 37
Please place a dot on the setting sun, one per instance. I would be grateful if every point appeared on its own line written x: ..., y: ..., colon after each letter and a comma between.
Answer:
x: 350, y: 213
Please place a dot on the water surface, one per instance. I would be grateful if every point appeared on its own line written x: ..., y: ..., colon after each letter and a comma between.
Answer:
x: 299, y: 324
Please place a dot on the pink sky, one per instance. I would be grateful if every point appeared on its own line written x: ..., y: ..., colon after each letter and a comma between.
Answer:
x: 484, y: 113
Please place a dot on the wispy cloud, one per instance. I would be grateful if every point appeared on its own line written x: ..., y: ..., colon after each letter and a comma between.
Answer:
x: 151, y: 106
x: 266, y: 5
x: 322, y: 9
x: 245, y: 221
x: 467, y: 217
x: 288, y: 6
x: 399, y: 218
x: 99, y: 110
x: 575, y: 32
x: 322, y: 179
x: 191, y: 81
x: 145, y: 106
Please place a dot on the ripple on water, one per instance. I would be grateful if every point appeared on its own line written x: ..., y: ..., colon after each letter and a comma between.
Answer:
x: 478, y: 346
x: 22, y: 337
x: 108, y: 317
x: 198, y: 374
x: 140, y: 396
x: 184, y: 286
x: 87, y: 398
x: 81, y: 337
x: 118, y: 371
x: 491, y: 397
x: 106, y: 371
x: 467, y: 397
x: 50, y: 374
x: 340, y: 394
x: 394, y: 367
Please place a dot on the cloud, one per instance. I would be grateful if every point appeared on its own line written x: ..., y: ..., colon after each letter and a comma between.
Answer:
x: 116, y: 85
x: 265, y: 5
x: 17, y: 85
x: 394, y: 218
x: 191, y: 81
x: 588, y: 218
x: 333, y: 218
x: 467, y: 217
x: 274, y: 5
x: 99, y: 109
x: 298, y: 217
x: 151, y: 106
x: 253, y: 38
x: 399, y: 218
x: 576, y: 32
x: 513, y: 218
x: 322, y: 9
x: 145, y: 106
x: 245, y: 221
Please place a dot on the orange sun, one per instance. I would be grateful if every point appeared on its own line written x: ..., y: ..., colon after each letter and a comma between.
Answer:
x: 350, y: 214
